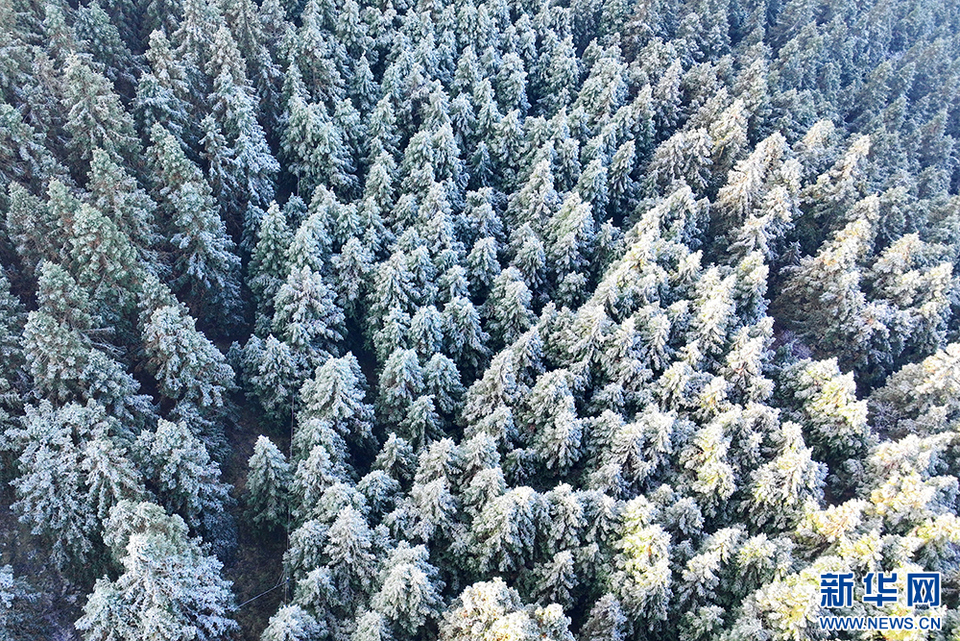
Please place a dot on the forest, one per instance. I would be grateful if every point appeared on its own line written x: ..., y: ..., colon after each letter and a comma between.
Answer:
x: 478, y: 320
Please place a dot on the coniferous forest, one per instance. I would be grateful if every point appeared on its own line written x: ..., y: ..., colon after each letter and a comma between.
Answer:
x: 493, y: 320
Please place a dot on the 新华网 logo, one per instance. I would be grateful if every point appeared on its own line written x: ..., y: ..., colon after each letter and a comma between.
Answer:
x: 880, y: 589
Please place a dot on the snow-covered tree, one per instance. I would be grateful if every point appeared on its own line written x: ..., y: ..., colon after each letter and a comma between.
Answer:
x: 168, y: 589
x: 268, y: 483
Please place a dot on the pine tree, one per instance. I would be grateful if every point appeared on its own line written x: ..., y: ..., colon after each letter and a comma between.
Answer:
x: 95, y: 115
x: 336, y: 394
x: 24, y: 158
x: 426, y: 331
x: 115, y: 193
x: 292, y: 623
x: 206, y: 269
x: 103, y: 259
x: 556, y: 579
x: 570, y: 235
x: 371, y: 626
x: 164, y: 91
x: 268, y: 482
x: 348, y: 547
x: 505, y: 530
x: 490, y: 610
x: 781, y: 487
x: 16, y: 597
x: 511, y: 84
x: 380, y: 491
x: 509, y: 305
x: 836, y: 421
x: 267, y: 268
x: 829, y: 283
x: 352, y: 268
x: 51, y: 494
x: 307, y: 316
x: 188, y: 367
x: 642, y: 580
x: 409, y: 593
x: 442, y: 381
x: 252, y: 29
x: 314, y: 146
x: 186, y: 479
x: 66, y: 360
x: 33, y: 229
x: 465, y: 338
x: 604, y: 90
x: 315, y: 473
x: 102, y: 38
x: 274, y: 374
x: 745, y: 184
x: 920, y: 396
x: 111, y: 474
x: 607, y: 622
x: 194, y: 33
x: 233, y: 104
x: 169, y: 588
x: 561, y: 76
x: 396, y: 458
x: 400, y: 383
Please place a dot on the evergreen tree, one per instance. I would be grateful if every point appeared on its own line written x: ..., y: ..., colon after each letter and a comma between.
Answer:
x: 348, y: 547
x: 490, y: 610
x: 116, y: 194
x: 168, y: 589
x: 409, y: 591
x: 400, y: 383
x: 206, y: 269
x: 164, y: 91
x: 186, y: 479
x: 95, y: 115
x: 371, y: 626
x: 249, y: 179
x: 63, y: 358
x: 267, y: 267
x: 307, y: 316
x: 292, y: 623
x: 273, y: 373
x: 34, y: 230
x: 16, y: 596
x: 505, y: 530
x: 509, y: 304
x: 111, y: 474
x: 336, y: 394
x: 268, y: 482
x: 188, y: 367
x: 51, y: 497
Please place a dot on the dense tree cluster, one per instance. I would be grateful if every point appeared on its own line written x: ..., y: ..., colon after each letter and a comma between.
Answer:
x: 602, y: 320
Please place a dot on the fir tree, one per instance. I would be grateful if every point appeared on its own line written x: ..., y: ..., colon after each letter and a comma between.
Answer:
x: 292, y: 623
x: 273, y: 374
x: 307, y: 316
x: 168, y: 588
x: 51, y: 494
x: 206, y: 269
x: 186, y: 479
x: 95, y: 115
x: 187, y: 365
x: 268, y: 482
x: 117, y: 196
x: 488, y: 610
x: 409, y: 593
